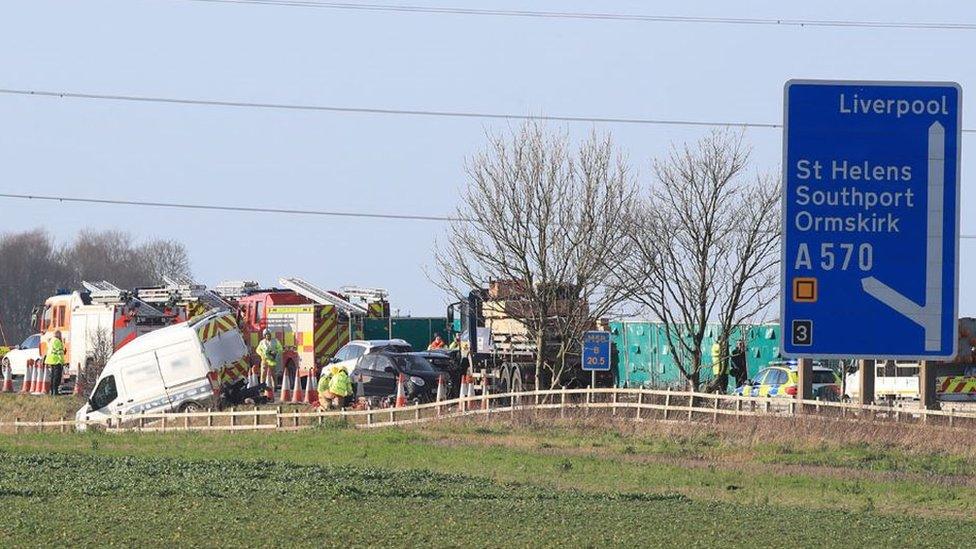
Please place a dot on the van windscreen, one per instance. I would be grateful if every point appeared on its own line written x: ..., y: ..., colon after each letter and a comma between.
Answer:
x: 104, y: 394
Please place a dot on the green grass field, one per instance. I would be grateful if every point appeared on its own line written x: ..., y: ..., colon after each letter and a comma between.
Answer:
x: 537, y: 482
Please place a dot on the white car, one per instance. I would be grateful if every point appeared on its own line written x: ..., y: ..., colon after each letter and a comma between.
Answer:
x: 348, y: 356
x: 22, y: 356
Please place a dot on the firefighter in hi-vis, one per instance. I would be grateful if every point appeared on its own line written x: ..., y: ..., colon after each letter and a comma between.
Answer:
x: 270, y: 351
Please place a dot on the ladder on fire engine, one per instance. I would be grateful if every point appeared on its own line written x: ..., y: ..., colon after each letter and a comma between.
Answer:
x: 235, y: 289
x: 321, y: 296
x: 106, y: 292
x: 367, y: 295
x: 182, y: 291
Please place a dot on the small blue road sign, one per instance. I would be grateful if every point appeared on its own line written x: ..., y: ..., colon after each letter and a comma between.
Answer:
x: 870, y: 220
x: 596, y: 351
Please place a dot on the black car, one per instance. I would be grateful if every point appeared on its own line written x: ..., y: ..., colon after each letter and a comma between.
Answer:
x: 377, y: 374
x: 449, y: 363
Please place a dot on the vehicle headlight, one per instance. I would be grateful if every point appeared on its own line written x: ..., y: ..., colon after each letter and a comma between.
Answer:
x: 417, y: 381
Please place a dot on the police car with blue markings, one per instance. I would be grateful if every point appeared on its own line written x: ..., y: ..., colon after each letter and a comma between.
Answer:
x: 781, y: 379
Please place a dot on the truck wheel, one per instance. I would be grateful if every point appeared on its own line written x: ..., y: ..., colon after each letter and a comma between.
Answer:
x: 516, y: 380
x: 191, y: 407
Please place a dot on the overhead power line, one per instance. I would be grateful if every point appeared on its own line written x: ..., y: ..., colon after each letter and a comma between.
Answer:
x: 391, y: 111
x: 222, y: 208
x: 383, y: 111
x: 603, y: 16
x: 247, y: 209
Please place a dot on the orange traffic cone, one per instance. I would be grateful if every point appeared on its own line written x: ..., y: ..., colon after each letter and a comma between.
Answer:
x: 8, y: 380
x: 25, y: 386
x: 44, y: 385
x: 441, y: 388
x: 463, y: 392
x: 401, y: 397
x: 285, y: 386
x: 311, y: 387
x: 269, y: 381
x: 297, y: 395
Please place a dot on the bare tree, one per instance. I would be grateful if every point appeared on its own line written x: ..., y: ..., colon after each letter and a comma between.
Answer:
x: 704, y: 245
x: 29, y: 272
x: 105, y: 255
x: 541, y: 217
x: 32, y: 269
x: 164, y: 258
x: 100, y: 349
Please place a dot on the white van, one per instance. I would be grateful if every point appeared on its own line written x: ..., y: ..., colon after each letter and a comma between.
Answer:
x: 177, y: 368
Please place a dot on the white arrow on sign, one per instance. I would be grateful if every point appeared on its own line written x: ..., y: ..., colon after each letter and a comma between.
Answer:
x: 929, y: 315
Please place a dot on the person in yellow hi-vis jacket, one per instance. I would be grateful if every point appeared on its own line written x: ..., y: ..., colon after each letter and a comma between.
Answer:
x: 335, y: 388
x: 270, y: 351
x: 720, y: 370
x: 54, y: 360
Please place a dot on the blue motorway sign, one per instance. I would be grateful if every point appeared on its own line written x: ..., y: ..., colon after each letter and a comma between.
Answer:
x: 870, y: 220
x: 596, y: 351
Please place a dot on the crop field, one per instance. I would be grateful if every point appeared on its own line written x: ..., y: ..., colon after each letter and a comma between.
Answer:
x: 532, y: 482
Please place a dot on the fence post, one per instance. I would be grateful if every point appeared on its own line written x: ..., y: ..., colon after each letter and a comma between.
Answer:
x: 562, y: 404
x: 667, y: 403
x: 209, y: 417
x: 715, y: 410
x: 791, y: 408
x: 369, y: 417
x: 142, y: 420
x: 951, y: 414
x: 63, y: 426
x: 691, y: 406
x: 613, y: 402
x: 233, y: 417
x: 278, y: 417
x: 40, y: 425
x: 640, y: 402
x: 766, y: 406
x: 186, y: 421
x: 256, y: 417
x: 163, y: 426
x: 16, y: 425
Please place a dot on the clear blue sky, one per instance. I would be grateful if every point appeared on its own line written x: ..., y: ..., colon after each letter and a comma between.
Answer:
x: 383, y: 163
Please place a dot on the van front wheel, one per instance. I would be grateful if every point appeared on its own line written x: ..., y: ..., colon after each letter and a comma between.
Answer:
x: 191, y: 407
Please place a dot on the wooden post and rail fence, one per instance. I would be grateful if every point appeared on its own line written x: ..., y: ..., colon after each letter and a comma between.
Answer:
x: 618, y: 403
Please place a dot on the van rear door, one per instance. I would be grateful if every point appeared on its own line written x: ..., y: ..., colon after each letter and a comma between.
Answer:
x: 184, y: 370
x: 142, y: 385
